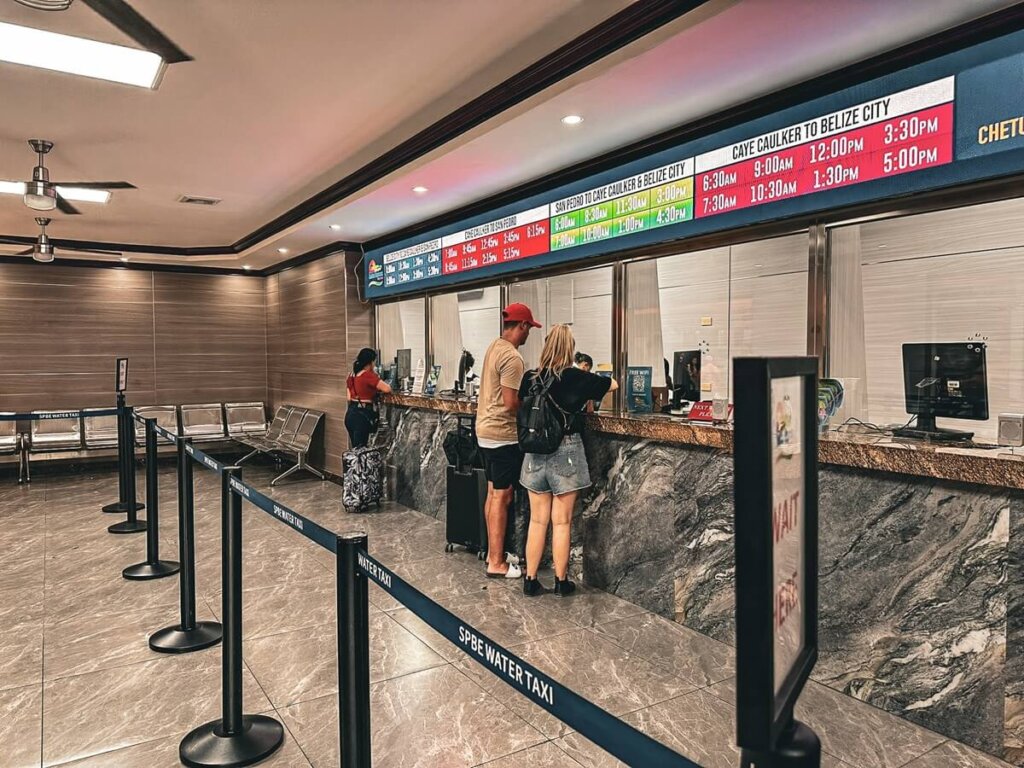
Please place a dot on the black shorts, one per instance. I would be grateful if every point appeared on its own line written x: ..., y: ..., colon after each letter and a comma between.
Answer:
x: 503, y: 465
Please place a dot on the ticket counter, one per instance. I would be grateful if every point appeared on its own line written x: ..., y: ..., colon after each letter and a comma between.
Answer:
x: 920, y: 552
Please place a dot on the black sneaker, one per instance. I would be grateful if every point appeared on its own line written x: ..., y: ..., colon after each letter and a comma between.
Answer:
x: 532, y: 587
x: 564, y: 587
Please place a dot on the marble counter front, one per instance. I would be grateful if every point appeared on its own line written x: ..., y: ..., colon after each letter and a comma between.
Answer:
x: 982, y: 465
x: 921, y: 602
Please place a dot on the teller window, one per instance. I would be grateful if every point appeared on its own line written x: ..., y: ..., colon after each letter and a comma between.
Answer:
x: 401, y: 325
x: 955, y: 275
x: 463, y: 321
x: 582, y: 300
x: 689, y: 314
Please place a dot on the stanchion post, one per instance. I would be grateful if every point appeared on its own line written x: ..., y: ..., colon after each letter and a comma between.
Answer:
x: 133, y: 524
x: 353, y: 653
x: 236, y: 739
x: 124, y: 428
x: 189, y: 635
x: 153, y: 567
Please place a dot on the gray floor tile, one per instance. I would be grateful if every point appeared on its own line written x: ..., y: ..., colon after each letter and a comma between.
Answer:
x: 545, y: 755
x: 437, y: 718
x: 302, y: 665
x: 953, y: 755
x: 21, y: 655
x: 688, y: 655
x: 21, y: 716
x: 163, y: 753
x: 89, y: 643
x: 115, y: 708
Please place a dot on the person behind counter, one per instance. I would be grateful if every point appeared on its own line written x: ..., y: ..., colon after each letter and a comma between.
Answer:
x: 362, y: 419
x: 497, y: 403
x: 554, y: 480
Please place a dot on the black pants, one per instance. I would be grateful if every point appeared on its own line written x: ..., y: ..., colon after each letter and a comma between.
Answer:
x: 360, y: 422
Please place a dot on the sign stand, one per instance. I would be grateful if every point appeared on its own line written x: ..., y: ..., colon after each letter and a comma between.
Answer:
x: 776, y: 496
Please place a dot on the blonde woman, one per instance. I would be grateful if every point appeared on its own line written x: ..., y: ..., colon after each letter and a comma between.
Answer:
x: 554, y: 480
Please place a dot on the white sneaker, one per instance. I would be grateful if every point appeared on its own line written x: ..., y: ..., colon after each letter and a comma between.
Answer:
x: 513, y: 572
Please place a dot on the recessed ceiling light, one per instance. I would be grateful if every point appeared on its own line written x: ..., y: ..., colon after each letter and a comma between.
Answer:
x: 420, y: 190
x: 881, y: 245
x: 335, y: 227
x: 77, y: 194
x: 572, y: 119
x: 79, y: 56
x: 282, y: 250
x: 124, y: 259
x: 246, y: 267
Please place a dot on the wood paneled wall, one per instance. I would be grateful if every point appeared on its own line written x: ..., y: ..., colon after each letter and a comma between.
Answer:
x: 315, y: 327
x: 189, y: 338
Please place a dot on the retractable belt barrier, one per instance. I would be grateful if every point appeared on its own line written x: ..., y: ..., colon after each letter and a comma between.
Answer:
x: 76, y: 414
x: 604, y: 729
x: 203, y: 459
x: 312, y: 531
x: 237, y: 739
x: 153, y: 567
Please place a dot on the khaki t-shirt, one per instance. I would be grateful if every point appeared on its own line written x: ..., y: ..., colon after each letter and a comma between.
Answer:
x: 503, y: 367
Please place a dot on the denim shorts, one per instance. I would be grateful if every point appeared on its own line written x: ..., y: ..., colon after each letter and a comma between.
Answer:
x: 563, y: 471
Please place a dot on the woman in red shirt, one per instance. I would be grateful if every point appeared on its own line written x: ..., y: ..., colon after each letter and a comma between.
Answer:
x: 361, y: 420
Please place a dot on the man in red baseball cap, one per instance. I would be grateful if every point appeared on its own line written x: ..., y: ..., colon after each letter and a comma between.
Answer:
x: 498, y: 401
x: 519, y: 313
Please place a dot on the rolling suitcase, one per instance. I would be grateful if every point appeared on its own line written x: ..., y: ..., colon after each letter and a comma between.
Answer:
x: 466, y: 494
x: 465, y: 525
x: 363, y: 470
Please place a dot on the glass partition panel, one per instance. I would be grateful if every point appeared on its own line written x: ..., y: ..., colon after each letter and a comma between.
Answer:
x: 467, y: 320
x: 949, y: 276
x: 400, y: 325
x: 582, y: 300
x: 688, y: 315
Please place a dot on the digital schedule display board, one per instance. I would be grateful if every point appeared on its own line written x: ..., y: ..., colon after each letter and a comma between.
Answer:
x: 955, y: 119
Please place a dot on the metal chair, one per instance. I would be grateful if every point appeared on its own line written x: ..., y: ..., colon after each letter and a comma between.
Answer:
x: 54, y: 432
x: 203, y: 422
x: 99, y: 431
x: 166, y: 416
x: 265, y: 443
x: 246, y: 419
x: 299, y: 444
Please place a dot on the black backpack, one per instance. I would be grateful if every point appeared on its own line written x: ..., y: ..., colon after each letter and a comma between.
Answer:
x: 540, y: 422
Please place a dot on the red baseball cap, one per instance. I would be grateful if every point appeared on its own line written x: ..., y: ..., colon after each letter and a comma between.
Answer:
x: 519, y: 313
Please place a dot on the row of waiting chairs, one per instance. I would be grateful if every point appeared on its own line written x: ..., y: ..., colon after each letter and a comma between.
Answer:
x: 290, y: 432
x: 202, y: 422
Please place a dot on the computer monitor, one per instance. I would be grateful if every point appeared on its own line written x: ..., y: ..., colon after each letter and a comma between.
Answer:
x: 685, y: 376
x: 944, y: 379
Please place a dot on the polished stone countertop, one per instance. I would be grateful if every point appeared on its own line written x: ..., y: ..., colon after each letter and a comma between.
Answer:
x: 995, y: 466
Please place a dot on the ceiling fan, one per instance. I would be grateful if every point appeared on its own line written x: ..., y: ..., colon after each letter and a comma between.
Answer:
x: 125, y: 18
x: 43, y: 250
x: 41, y: 194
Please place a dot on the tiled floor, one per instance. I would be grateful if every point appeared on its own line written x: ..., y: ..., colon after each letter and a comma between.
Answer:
x: 80, y: 687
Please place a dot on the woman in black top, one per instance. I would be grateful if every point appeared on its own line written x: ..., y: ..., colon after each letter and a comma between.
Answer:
x: 554, y: 480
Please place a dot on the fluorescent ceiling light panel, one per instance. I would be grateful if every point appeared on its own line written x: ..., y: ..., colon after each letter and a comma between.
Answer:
x: 77, y: 194
x: 78, y: 56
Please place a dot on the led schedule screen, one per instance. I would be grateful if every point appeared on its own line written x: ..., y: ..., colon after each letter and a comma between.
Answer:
x: 880, y: 137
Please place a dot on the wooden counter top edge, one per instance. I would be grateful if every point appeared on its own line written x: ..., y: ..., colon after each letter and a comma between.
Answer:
x: 838, y: 449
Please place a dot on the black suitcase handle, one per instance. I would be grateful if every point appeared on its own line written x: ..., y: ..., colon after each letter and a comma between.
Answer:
x: 464, y: 420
